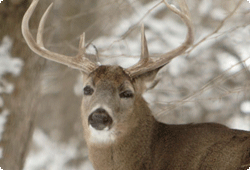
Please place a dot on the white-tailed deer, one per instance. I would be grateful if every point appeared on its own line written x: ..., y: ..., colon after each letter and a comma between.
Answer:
x: 119, y: 128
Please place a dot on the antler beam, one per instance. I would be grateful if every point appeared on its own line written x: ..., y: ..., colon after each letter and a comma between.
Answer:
x: 79, y: 61
x: 145, y: 63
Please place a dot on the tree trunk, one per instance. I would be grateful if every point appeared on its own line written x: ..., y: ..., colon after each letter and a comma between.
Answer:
x: 22, y: 103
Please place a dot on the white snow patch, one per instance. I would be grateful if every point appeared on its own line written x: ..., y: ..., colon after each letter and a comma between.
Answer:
x: 49, y: 155
x: 10, y: 65
x: 205, y: 7
x: 7, y: 63
x: 245, y: 107
x: 218, y: 13
x: 87, y: 166
x: 160, y: 36
x: 238, y: 122
x: 126, y: 62
x: 6, y: 87
x: 3, y: 120
x: 178, y: 65
x: 227, y: 61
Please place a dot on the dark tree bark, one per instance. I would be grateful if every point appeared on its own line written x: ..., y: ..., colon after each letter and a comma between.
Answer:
x: 22, y: 103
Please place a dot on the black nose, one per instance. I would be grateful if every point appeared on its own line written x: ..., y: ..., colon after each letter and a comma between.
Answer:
x: 100, y: 119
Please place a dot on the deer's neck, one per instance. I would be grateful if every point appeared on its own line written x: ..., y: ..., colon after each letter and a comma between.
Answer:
x: 130, y: 152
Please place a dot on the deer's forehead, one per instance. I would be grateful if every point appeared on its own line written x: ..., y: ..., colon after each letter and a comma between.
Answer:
x: 109, y: 74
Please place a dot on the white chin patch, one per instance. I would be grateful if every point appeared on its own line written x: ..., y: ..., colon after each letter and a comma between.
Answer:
x: 101, y: 136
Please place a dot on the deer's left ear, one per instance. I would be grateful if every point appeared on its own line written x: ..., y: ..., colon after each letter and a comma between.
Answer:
x: 146, y: 81
x: 85, y: 76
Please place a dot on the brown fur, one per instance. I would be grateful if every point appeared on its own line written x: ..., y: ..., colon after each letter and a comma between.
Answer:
x: 145, y: 144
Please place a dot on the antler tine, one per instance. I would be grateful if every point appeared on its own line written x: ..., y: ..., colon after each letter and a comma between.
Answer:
x: 144, y: 46
x: 77, y: 62
x: 82, y: 44
x: 164, y: 59
x: 144, y: 58
x: 39, y: 37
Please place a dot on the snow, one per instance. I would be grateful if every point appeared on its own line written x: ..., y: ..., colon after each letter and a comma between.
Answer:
x: 11, y: 65
x: 178, y: 65
x: 49, y: 154
x: 8, y: 64
x: 3, y: 119
x: 245, y: 107
x: 237, y: 122
x: 205, y: 7
x: 172, y: 35
x: 228, y: 62
x: 218, y: 14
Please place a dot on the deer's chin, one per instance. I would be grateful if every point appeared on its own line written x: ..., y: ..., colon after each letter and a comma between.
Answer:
x: 106, y: 135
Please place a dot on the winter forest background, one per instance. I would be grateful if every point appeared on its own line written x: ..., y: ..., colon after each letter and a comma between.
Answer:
x: 40, y: 124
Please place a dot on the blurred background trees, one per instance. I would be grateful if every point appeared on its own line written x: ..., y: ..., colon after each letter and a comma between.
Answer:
x: 210, y: 83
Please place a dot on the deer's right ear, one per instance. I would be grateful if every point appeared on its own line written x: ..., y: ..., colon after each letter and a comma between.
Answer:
x: 146, y: 81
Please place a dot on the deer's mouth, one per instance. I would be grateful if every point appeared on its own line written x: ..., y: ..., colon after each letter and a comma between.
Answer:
x: 100, y: 119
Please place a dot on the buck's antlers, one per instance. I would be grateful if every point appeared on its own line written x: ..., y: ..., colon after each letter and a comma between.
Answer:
x: 82, y: 63
x: 145, y: 63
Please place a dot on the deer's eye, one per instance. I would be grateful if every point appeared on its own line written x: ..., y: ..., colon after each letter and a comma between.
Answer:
x: 126, y: 94
x: 88, y: 90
